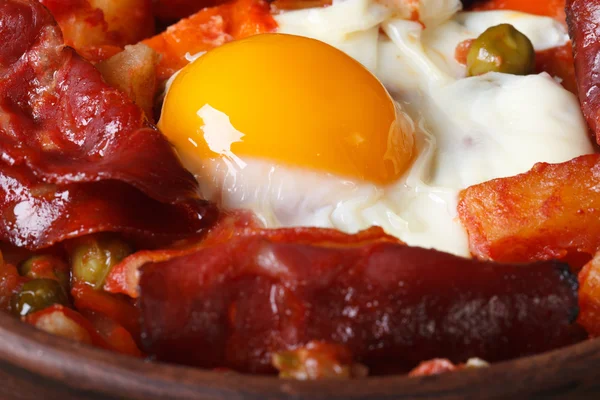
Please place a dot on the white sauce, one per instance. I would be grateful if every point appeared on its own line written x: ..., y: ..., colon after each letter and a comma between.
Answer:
x: 487, y: 127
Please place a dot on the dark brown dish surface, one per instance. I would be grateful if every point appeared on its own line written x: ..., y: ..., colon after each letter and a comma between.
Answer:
x: 67, y: 370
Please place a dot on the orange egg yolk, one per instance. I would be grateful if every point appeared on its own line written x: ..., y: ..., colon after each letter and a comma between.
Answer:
x: 297, y: 102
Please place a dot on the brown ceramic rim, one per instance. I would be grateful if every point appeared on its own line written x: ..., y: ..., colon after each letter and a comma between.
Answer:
x: 572, y: 372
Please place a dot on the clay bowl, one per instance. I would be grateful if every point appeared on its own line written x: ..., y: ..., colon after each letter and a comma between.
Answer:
x: 35, y: 365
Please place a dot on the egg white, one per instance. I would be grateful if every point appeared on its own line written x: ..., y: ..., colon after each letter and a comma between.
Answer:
x: 467, y: 130
x: 286, y: 196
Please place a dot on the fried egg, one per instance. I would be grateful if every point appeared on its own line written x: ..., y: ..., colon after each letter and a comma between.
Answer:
x: 357, y: 115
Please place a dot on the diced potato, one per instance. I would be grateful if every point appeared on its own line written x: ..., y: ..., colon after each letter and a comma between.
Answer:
x: 133, y: 71
x: 98, y: 29
x: 550, y: 212
x: 132, y: 20
x: 589, y: 296
x: 207, y: 29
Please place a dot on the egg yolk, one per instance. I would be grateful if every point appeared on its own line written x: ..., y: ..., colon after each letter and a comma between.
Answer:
x: 296, y: 101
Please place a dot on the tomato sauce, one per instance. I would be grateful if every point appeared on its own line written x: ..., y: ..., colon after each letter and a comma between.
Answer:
x: 550, y: 8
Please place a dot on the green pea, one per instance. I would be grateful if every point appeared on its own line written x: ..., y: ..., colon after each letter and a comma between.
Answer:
x: 93, y: 257
x: 53, y: 268
x: 37, y: 295
x: 501, y: 48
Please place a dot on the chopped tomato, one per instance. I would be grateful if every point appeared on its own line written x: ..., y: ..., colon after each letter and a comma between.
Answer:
x: 113, y: 306
x: 433, y: 367
x: 117, y: 337
x: 462, y: 50
x: 10, y: 282
x: 549, y: 8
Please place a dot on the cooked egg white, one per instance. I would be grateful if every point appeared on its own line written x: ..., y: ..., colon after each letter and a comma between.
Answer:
x: 286, y: 196
x: 465, y: 130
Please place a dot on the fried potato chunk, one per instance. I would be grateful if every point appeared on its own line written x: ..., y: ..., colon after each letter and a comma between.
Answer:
x: 589, y: 296
x: 131, y: 20
x: 98, y: 29
x: 172, y: 10
x: 133, y: 71
x: 549, y: 212
x: 208, y: 29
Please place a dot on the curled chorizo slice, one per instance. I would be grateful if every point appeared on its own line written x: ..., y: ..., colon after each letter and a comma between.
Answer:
x: 65, y: 132
x: 583, y: 20
x: 238, y: 302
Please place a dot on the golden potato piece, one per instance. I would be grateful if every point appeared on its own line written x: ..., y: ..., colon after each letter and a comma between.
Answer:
x: 130, y: 20
x: 207, y: 29
x: 549, y: 212
x: 98, y: 29
x: 589, y: 296
x: 133, y: 71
